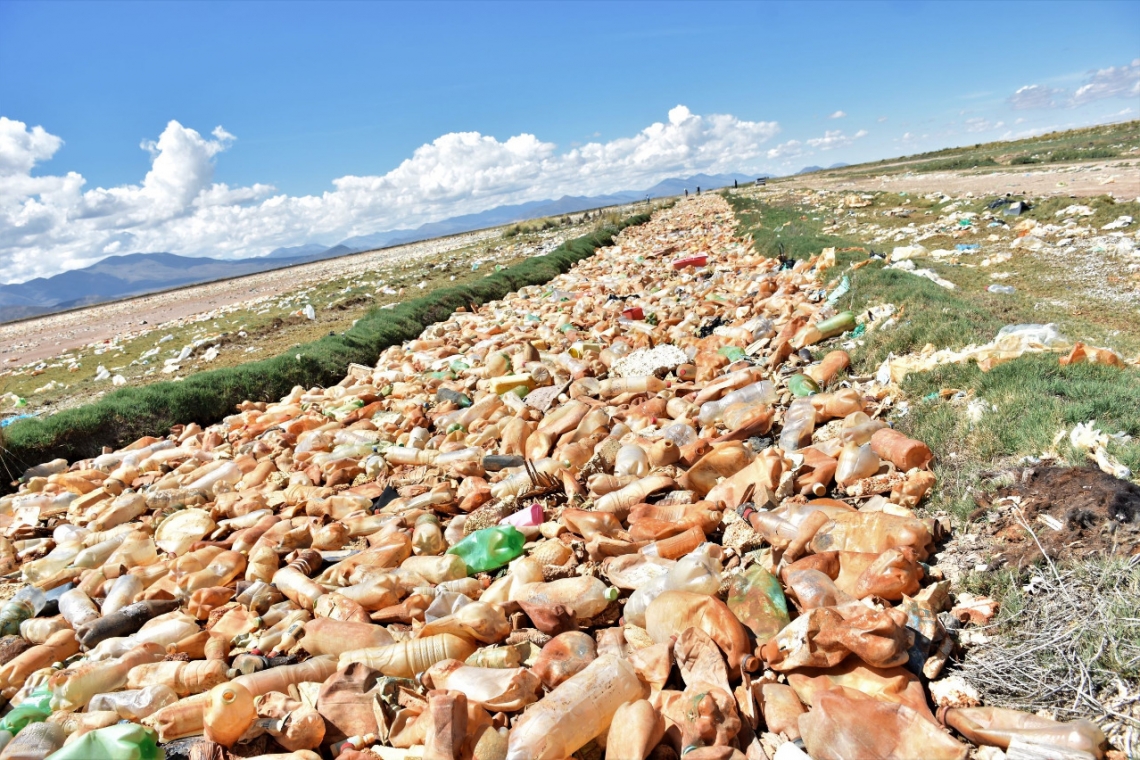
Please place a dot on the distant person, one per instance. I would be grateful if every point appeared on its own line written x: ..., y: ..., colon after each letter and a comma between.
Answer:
x: 686, y: 192
x: 735, y: 184
x: 698, y: 189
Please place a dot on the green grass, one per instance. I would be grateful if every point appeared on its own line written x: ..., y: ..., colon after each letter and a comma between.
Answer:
x: 959, y: 162
x: 207, y: 397
x: 1035, y: 396
x: 1101, y: 142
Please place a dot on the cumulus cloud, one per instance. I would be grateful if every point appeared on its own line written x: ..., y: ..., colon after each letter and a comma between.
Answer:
x: 1113, y: 82
x: 53, y: 223
x: 788, y: 149
x: 838, y: 115
x: 835, y: 139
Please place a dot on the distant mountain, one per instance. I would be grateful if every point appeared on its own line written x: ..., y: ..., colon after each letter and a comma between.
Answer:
x: 134, y: 274
x: 810, y: 169
x: 118, y: 277
x: 297, y: 251
x: 840, y: 165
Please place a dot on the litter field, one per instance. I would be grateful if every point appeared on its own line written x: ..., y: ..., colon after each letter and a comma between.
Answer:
x: 636, y: 512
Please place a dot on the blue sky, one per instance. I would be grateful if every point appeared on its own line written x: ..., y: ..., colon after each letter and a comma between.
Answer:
x: 306, y: 94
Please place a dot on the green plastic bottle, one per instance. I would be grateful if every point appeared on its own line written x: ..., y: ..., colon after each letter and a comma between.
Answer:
x: 802, y: 385
x: 122, y: 741
x: 758, y: 601
x: 35, y: 709
x: 489, y: 548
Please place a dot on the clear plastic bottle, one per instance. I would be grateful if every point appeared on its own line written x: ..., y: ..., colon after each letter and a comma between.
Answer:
x: 756, y: 394
x: 123, y: 591
x: 699, y: 572
x: 74, y: 688
x: 405, y: 659
x: 36, y: 741
x: 77, y: 608
x: 135, y: 704
x: 631, y: 460
x: 799, y: 424
x: 26, y: 604
x: 855, y: 463
x: 578, y: 710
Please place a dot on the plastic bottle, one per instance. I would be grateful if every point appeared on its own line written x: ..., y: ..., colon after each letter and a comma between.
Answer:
x: 637, y: 729
x: 489, y: 548
x: 185, y: 678
x: 26, y: 604
x: 1002, y: 728
x: 282, y: 677
x: 124, y: 741
x: 494, y: 689
x: 757, y: 600
x: 631, y: 460
x: 327, y: 636
x: 799, y: 423
x: 428, y: 536
x: 77, y: 608
x: 298, y: 587
x: 229, y: 713
x: 35, y: 742
x: 37, y: 630
x: 405, y: 659
x: 123, y: 591
x: 676, y: 546
x: 904, y: 453
x: 72, y: 689
x: 222, y: 569
x: 58, y: 647
x: 584, y: 595
x: 673, y: 611
x: 126, y: 621
x: 855, y: 463
x: 134, y: 704
x: 756, y: 394
x: 699, y: 572
x: 564, y: 656
x: 578, y: 710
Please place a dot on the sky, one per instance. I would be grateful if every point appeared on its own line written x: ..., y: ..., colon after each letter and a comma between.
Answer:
x: 230, y: 129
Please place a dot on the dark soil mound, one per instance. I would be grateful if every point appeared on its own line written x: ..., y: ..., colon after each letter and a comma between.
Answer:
x: 1074, y: 513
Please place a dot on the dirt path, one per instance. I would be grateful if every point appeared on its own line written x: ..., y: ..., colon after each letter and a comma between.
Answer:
x: 1120, y: 179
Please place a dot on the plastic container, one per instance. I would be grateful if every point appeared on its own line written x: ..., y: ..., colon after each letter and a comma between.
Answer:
x: 578, y: 710
x: 229, y: 713
x: 490, y: 548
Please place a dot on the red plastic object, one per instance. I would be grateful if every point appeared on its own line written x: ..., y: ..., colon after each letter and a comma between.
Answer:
x: 633, y: 312
x: 691, y: 261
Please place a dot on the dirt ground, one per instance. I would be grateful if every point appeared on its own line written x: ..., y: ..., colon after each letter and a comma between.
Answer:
x: 1120, y: 179
x: 1073, y: 513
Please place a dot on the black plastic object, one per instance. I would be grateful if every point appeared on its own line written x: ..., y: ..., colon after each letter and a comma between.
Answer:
x: 123, y: 622
x: 496, y: 462
x: 384, y: 499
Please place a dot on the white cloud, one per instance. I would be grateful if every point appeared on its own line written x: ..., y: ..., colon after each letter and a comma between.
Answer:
x: 21, y: 148
x: 788, y: 149
x: 838, y: 115
x: 1113, y: 82
x: 835, y: 139
x: 52, y: 223
x: 978, y: 124
x: 1035, y: 96
x: 881, y: 119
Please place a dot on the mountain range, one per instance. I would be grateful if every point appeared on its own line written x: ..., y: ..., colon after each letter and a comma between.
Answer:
x: 117, y: 277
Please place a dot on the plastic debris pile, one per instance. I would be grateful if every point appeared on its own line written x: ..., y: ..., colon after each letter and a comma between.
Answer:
x: 626, y: 514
